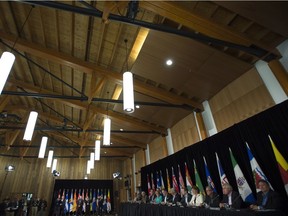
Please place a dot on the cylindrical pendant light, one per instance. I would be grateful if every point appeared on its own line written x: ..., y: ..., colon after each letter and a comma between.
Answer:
x: 88, y: 166
x: 107, y: 128
x: 54, y: 165
x: 128, y: 92
x: 97, y: 150
x: 43, y: 147
x: 92, y: 159
x: 30, y: 126
x: 6, y: 63
x: 50, y: 157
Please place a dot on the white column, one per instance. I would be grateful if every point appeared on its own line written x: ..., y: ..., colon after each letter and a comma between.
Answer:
x: 197, y: 126
x: 283, y: 49
x: 169, y: 142
x: 208, y: 119
x: 270, y: 82
x: 147, y: 153
x: 134, y: 171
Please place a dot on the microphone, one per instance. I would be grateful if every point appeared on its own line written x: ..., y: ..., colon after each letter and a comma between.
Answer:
x: 212, y: 200
x: 234, y: 201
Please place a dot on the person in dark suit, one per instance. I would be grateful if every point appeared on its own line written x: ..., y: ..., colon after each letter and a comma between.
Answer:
x: 167, y: 197
x: 152, y: 196
x: 230, y: 198
x: 175, y: 197
x: 211, y: 198
x: 266, y: 197
x: 185, y: 197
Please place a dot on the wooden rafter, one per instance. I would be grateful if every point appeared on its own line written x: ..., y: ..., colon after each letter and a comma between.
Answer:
x: 84, y: 105
x: 10, y: 138
x: 87, y: 67
x: 200, y: 24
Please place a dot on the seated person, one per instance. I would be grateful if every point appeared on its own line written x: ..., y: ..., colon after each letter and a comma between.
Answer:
x: 197, y: 197
x: 152, y: 196
x: 167, y: 197
x: 175, y: 197
x: 230, y: 198
x: 212, y: 198
x: 185, y: 197
x: 266, y: 197
x: 144, y: 197
x: 137, y: 197
x: 158, y: 199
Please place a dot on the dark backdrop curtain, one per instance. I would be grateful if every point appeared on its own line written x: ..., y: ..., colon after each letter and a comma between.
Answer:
x: 254, y: 131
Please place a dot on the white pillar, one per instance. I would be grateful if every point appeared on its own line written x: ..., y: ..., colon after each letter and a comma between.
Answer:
x: 283, y: 49
x: 169, y: 142
x: 208, y: 119
x: 134, y: 171
x: 147, y: 153
x: 197, y: 126
x: 270, y: 81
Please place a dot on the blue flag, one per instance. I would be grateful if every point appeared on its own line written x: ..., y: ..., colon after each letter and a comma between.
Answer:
x: 66, y: 203
x: 158, y: 180
x: 208, y: 176
x: 94, y: 204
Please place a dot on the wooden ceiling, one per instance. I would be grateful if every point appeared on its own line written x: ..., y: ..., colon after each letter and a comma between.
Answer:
x: 70, y: 57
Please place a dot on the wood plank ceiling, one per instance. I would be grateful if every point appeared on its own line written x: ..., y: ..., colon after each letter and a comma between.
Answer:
x: 70, y: 57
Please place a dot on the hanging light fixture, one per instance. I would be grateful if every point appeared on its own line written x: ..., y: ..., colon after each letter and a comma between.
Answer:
x: 128, y: 90
x: 92, y: 159
x: 6, y: 63
x: 43, y: 147
x: 54, y: 165
x: 50, y: 157
x: 97, y: 150
x: 107, y: 131
x: 30, y: 126
x: 88, y: 166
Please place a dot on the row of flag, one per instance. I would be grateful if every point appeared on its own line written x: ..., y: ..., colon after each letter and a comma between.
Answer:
x: 71, y: 197
x: 243, y: 186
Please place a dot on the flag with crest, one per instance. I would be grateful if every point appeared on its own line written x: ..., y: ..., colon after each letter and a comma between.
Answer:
x: 223, y: 178
x: 208, y: 176
x: 243, y: 186
x: 256, y: 169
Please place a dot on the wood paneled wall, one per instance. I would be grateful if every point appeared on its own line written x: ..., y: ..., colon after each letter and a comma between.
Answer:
x: 31, y: 175
x: 158, y: 149
x: 184, y: 133
x: 140, y: 161
x: 240, y: 100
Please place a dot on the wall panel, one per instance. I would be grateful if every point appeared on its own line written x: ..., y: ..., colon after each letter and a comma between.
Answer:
x: 184, y: 133
x: 139, y: 162
x: 157, y: 149
x: 241, y: 99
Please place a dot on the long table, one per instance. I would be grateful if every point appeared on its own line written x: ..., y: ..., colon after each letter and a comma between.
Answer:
x: 135, y: 209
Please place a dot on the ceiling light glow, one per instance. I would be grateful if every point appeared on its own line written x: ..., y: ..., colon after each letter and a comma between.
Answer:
x: 169, y: 62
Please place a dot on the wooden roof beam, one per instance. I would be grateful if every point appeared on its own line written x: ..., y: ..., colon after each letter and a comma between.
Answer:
x: 84, y: 106
x: 200, y: 24
x: 87, y: 67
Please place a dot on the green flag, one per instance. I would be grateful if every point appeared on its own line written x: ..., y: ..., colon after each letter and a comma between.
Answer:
x: 197, y: 179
